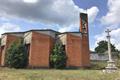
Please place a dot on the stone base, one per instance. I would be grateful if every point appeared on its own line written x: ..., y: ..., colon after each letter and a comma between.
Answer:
x: 111, y: 67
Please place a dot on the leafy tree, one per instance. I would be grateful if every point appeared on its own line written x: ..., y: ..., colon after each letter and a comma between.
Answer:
x: 103, y: 47
x: 16, y: 56
x: 0, y: 41
x: 58, y: 57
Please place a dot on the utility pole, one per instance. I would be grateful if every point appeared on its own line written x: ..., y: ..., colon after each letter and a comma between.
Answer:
x: 111, y: 67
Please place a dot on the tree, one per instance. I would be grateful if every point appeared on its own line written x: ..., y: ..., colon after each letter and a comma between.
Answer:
x: 103, y: 47
x: 0, y: 41
x: 58, y: 57
x: 16, y: 56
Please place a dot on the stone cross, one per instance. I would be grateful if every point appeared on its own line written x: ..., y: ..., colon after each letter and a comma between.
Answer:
x: 109, y: 44
x: 111, y: 67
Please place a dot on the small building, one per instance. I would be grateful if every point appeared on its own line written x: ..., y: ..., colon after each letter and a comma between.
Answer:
x: 40, y: 43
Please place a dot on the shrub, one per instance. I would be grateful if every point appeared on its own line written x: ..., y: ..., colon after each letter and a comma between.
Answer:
x: 0, y: 41
x: 16, y: 56
x: 58, y: 57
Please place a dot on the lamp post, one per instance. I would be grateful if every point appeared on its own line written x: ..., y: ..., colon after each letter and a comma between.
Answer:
x: 111, y: 67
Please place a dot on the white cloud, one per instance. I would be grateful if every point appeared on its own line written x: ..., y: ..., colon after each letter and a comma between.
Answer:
x: 64, y: 29
x: 30, y: 1
x: 64, y: 13
x: 116, y: 37
x: 92, y: 13
x: 68, y: 29
x: 113, y: 15
x: 8, y: 27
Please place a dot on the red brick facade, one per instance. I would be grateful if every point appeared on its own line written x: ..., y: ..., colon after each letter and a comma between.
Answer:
x: 73, y: 51
x: 85, y: 51
x: 40, y: 44
x: 40, y: 49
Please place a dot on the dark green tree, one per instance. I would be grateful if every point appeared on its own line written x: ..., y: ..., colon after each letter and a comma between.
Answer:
x: 0, y: 41
x: 16, y: 56
x: 58, y: 57
x: 103, y: 47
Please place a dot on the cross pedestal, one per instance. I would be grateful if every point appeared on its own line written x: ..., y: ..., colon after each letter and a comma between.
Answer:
x: 111, y: 67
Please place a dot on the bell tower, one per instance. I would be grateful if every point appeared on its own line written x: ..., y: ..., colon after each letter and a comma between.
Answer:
x: 83, y: 23
x: 85, y: 39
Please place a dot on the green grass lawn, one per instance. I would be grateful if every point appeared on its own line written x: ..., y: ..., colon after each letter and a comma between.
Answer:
x: 50, y: 74
x: 94, y: 73
x: 98, y: 65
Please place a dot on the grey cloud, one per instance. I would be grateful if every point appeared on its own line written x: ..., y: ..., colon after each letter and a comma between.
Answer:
x: 62, y: 12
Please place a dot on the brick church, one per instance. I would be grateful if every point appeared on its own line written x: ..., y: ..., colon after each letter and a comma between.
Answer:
x: 40, y: 43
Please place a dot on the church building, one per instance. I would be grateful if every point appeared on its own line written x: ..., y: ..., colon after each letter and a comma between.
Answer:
x: 40, y: 44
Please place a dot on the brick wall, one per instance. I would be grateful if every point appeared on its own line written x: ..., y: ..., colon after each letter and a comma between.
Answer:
x: 85, y: 51
x: 10, y: 39
x: 73, y: 51
x: 40, y: 48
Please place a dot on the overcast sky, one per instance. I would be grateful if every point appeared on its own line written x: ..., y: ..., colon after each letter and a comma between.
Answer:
x: 62, y: 15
